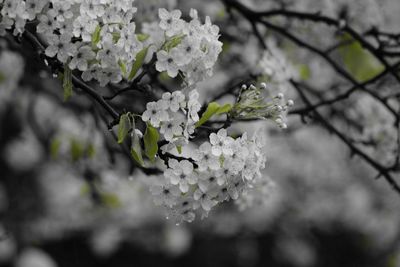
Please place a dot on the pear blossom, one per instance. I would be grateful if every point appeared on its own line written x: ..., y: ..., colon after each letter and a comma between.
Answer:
x: 81, y: 58
x: 181, y: 173
x: 170, y: 21
x: 221, y: 143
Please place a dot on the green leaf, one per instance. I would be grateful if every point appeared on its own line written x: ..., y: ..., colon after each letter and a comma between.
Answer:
x: 116, y: 36
x: 358, y: 61
x: 142, y: 37
x: 122, y: 66
x: 173, y: 42
x: 67, y: 82
x: 123, y: 127
x: 304, y: 72
x: 55, y: 147
x: 96, y: 36
x: 224, y: 109
x: 151, y: 138
x: 90, y: 151
x: 213, y: 109
x: 179, y: 149
x: 111, y: 200
x: 136, y: 149
x: 138, y: 63
x: 77, y: 150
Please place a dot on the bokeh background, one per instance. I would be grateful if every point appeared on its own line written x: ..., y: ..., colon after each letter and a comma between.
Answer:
x: 318, y: 206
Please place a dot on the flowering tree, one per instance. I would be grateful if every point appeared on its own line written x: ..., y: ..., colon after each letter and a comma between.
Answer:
x: 144, y: 66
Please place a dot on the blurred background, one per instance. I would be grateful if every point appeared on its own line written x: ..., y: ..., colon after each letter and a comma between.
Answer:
x: 70, y: 197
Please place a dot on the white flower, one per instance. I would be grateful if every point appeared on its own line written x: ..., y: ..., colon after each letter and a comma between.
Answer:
x: 171, y: 128
x: 175, y: 101
x: 107, y: 55
x: 184, y: 210
x: 155, y: 113
x: 205, y: 159
x: 34, y: 7
x: 170, y: 21
x: 92, y: 8
x: 165, y: 194
x: 205, y: 198
x: 181, y: 173
x: 236, y: 187
x: 207, y: 180
x: 47, y: 25
x: 165, y: 62
x: 221, y: 143
x: 61, y: 11
x: 188, y: 50
x: 193, y: 106
x: 107, y: 75
x: 223, y: 193
x: 226, y: 173
x: 250, y: 169
x: 81, y: 58
x: 60, y: 46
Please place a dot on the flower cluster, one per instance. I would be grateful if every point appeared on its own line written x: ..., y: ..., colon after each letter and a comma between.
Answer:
x: 275, y: 66
x: 15, y: 14
x: 191, y: 48
x: 98, y: 37
x: 175, y: 114
x: 104, y: 33
x: 219, y: 170
x: 379, y: 137
x: 252, y: 104
x: 95, y: 37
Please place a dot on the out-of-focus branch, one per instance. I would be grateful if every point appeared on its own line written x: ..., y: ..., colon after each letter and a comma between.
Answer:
x: 382, y: 170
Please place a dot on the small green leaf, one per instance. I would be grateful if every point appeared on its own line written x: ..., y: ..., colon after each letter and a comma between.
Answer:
x: 122, y: 66
x: 136, y: 149
x: 55, y: 147
x: 138, y: 63
x: 173, y: 42
x: 116, y: 36
x: 123, y: 127
x: 212, y: 108
x: 96, y: 36
x: 111, y: 200
x: 151, y: 138
x: 304, y: 72
x: 137, y: 155
x: 67, y: 82
x: 90, y: 151
x: 142, y: 37
x: 224, y: 109
x: 77, y: 150
x: 179, y: 149
x: 358, y: 61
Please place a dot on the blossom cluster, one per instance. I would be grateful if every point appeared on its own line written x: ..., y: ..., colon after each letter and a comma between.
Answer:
x: 275, y: 66
x: 17, y: 13
x: 253, y: 104
x: 378, y: 137
x: 175, y: 115
x: 190, y: 48
x: 99, y: 38
x: 217, y: 171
